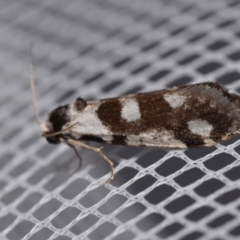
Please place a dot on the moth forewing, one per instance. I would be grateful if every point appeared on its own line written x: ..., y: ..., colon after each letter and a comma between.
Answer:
x: 181, y: 117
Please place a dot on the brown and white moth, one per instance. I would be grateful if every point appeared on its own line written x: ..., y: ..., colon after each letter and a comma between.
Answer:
x: 181, y: 117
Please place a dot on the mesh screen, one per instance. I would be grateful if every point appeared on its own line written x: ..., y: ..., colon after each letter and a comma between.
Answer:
x: 100, y: 49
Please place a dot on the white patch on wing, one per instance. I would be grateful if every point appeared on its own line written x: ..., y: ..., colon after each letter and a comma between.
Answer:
x: 72, y: 111
x: 200, y: 127
x: 106, y: 138
x: 154, y: 138
x: 209, y: 142
x: 88, y: 123
x: 175, y: 100
x: 130, y: 110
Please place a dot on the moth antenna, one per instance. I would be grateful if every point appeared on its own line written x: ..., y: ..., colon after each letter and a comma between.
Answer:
x: 32, y: 85
x: 58, y: 132
x: 96, y: 150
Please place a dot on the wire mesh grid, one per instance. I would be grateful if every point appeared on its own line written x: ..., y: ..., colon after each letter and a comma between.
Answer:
x: 101, y: 49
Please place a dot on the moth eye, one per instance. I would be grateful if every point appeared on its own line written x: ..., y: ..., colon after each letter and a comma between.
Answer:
x: 53, y: 140
x: 80, y: 104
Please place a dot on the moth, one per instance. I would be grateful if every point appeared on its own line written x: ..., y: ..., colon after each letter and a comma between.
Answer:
x: 180, y: 117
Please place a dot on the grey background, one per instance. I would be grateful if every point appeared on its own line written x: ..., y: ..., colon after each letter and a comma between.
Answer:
x: 100, y: 49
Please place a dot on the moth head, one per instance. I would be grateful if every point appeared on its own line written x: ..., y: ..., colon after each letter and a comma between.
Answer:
x: 54, y: 124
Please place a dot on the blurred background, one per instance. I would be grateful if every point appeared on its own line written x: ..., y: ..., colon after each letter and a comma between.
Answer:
x: 100, y: 49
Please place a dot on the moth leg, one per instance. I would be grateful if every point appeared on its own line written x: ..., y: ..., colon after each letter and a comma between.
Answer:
x: 96, y: 150
x: 79, y: 158
x: 110, y: 164
x: 77, y: 154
